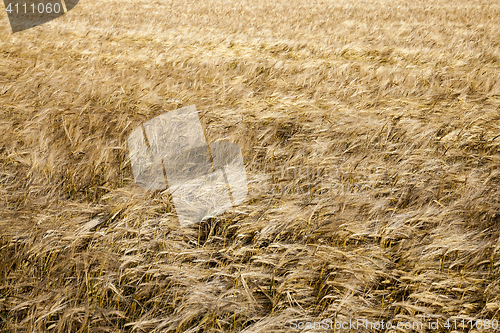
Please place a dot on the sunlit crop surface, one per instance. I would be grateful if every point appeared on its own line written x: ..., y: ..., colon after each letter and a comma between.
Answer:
x: 370, y: 132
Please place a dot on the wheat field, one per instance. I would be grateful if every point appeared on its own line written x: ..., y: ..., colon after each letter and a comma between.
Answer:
x: 370, y: 132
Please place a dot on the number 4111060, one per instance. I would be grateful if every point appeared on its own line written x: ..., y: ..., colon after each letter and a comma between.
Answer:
x: 40, y: 9
x: 478, y: 324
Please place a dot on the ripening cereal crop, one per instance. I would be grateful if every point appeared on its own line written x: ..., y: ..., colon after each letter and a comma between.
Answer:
x: 370, y: 134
